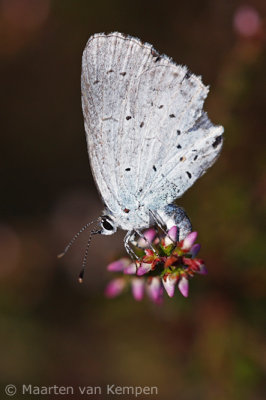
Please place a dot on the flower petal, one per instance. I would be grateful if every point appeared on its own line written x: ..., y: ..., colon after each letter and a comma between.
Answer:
x: 189, y: 240
x: 131, y: 269
x: 138, y: 285
x: 144, y: 268
x: 173, y: 233
x: 195, y: 249
x: 115, y: 287
x: 202, y: 269
x: 149, y: 235
x: 155, y: 290
x: 169, y: 283
x: 183, y: 286
x: 198, y: 266
x: 170, y: 260
x: 119, y: 265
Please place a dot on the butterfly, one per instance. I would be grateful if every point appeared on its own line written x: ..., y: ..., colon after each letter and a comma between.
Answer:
x: 148, y: 137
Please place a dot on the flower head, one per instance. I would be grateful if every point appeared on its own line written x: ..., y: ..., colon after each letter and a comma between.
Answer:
x: 164, y: 262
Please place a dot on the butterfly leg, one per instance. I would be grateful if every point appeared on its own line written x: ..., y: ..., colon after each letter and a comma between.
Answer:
x: 129, y: 238
x: 159, y: 223
x: 155, y: 217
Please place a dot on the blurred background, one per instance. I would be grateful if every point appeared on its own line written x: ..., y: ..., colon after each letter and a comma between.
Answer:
x: 56, y: 331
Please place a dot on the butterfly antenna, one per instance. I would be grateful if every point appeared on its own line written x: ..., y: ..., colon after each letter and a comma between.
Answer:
x: 74, y: 238
x: 81, y: 274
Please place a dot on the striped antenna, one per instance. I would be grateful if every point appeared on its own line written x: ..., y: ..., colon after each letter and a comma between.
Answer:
x: 74, y: 238
x: 81, y: 274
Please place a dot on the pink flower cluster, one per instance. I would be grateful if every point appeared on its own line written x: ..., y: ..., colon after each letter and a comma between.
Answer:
x: 163, y: 263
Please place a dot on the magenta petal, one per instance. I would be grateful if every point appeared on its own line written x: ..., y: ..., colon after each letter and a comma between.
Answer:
x: 171, y: 236
x: 173, y: 233
x: 119, y: 265
x: 183, y: 286
x: 169, y: 284
x: 149, y: 235
x: 143, y: 269
x: 115, y: 287
x: 189, y: 240
x: 155, y: 290
x: 131, y: 269
x: 202, y: 269
x: 138, y: 288
x: 195, y: 249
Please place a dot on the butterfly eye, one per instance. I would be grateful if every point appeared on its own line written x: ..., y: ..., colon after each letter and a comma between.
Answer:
x: 107, y: 225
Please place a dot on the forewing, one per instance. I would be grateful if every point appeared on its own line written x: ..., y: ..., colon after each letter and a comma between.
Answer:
x: 111, y: 64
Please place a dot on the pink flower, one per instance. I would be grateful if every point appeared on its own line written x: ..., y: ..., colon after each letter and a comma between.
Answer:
x: 115, y: 287
x: 131, y: 269
x: 123, y: 265
x: 119, y: 265
x: 183, y: 286
x: 195, y: 249
x: 189, y: 241
x: 138, y: 286
x: 155, y: 290
x: 144, y: 268
x: 247, y: 21
x: 202, y: 269
x: 169, y: 282
x: 149, y: 235
x: 172, y: 235
x: 164, y: 263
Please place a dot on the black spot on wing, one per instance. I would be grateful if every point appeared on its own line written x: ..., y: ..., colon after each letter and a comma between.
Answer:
x: 141, y: 124
x: 156, y: 55
x: 123, y: 73
x: 189, y: 174
x: 127, y: 169
x: 217, y: 141
x: 178, y: 132
x: 172, y: 115
x: 128, y: 117
x: 161, y: 106
x: 179, y: 146
x: 154, y: 168
x: 195, y: 158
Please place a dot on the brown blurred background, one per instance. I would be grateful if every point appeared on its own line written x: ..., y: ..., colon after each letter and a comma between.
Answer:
x: 55, y: 331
